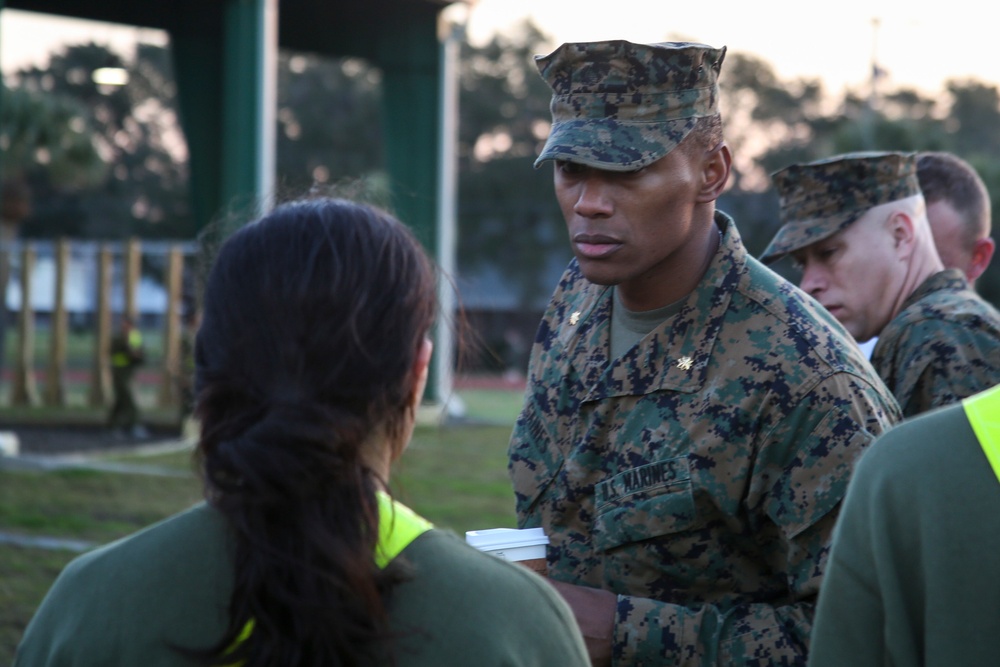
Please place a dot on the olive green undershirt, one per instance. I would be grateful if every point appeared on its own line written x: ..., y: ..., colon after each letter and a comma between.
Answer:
x: 628, y: 327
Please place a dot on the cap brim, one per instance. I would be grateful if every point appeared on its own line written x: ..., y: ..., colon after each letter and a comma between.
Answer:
x: 799, y: 234
x: 613, y: 145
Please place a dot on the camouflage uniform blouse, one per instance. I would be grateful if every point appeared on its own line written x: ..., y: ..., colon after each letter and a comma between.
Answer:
x: 699, y: 475
x: 944, y: 345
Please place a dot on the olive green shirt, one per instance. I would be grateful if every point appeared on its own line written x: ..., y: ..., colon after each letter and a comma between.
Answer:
x: 125, y: 603
x: 912, y: 579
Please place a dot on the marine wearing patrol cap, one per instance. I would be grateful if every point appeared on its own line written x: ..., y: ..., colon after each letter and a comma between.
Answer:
x: 818, y: 199
x: 620, y: 106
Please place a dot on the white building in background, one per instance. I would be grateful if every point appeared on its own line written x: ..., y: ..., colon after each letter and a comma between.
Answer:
x: 81, y: 283
x: 80, y: 287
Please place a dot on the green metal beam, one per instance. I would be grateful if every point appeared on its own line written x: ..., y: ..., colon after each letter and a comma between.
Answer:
x: 243, y: 68
x: 222, y: 79
x: 198, y: 70
x: 409, y: 56
x: 411, y: 87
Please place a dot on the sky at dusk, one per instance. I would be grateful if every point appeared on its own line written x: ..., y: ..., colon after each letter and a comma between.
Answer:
x: 917, y: 43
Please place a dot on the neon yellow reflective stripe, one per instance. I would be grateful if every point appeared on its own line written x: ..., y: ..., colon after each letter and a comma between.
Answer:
x: 983, y: 413
x: 398, y: 526
x: 242, y: 637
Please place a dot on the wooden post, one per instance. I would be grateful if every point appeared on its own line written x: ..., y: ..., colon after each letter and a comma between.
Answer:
x: 25, y: 392
x: 172, y: 333
x: 132, y: 258
x: 100, y: 376
x: 55, y: 388
x: 133, y: 264
x: 7, y: 233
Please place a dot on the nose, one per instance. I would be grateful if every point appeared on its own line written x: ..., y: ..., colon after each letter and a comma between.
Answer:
x: 813, y: 281
x: 592, y: 200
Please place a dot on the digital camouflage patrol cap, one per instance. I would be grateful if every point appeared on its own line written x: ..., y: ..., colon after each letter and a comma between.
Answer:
x: 620, y: 106
x: 818, y: 199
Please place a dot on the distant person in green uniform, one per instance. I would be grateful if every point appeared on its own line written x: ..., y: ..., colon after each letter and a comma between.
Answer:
x: 857, y: 226
x: 127, y: 354
x: 691, y: 418
x: 959, y: 212
x: 912, y: 579
x: 311, y: 361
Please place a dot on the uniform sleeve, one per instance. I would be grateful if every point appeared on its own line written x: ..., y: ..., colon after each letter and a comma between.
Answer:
x: 801, y: 470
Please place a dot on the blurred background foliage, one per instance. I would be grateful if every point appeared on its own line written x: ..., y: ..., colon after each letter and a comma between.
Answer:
x: 109, y: 162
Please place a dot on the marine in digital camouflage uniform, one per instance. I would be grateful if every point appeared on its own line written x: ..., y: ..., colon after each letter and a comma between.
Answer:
x: 696, y: 477
x: 938, y: 341
x: 944, y: 345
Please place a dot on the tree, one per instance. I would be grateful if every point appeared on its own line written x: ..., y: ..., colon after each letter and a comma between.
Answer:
x: 136, y: 131
x: 43, y: 133
x: 47, y: 132
x: 508, y: 217
x: 40, y: 134
x: 755, y: 104
x: 973, y: 121
x: 329, y: 122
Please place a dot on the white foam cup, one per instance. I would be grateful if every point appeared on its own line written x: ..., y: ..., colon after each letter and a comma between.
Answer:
x: 525, y: 546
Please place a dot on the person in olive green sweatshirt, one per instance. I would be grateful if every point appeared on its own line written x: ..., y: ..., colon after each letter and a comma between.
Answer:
x: 311, y: 361
x: 912, y: 577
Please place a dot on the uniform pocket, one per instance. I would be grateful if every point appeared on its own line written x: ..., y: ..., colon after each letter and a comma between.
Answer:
x: 642, y: 503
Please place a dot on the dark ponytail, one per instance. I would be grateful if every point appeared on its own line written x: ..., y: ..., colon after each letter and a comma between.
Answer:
x: 313, y: 318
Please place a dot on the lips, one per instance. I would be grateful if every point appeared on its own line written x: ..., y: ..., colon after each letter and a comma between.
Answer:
x: 595, y: 246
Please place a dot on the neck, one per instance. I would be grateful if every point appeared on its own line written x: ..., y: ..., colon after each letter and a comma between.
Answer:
x: 922, y: 265
x: 692, y: 262
x: 377, y: 455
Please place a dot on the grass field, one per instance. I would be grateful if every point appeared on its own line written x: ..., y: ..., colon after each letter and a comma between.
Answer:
x: 455, y: 476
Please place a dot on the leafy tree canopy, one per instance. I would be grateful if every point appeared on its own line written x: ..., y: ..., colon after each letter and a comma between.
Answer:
x: 329, y: 129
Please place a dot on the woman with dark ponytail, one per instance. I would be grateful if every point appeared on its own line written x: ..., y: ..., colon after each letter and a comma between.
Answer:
x: 311, y: 360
